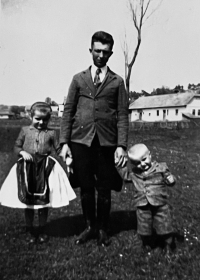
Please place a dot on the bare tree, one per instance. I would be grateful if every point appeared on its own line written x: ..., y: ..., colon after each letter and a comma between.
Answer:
x: 140, y: 10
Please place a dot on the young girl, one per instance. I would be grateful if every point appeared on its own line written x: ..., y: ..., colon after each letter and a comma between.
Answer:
x: 37, y: 180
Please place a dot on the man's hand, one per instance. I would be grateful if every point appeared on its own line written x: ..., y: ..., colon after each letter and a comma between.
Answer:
x: 65, y: 152
x: 120, y: 157
x: 26, y: 156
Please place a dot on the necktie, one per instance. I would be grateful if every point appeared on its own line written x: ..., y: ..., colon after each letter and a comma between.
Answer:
x: 97, y: 80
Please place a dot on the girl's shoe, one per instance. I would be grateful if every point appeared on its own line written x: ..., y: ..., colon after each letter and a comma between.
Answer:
x: 43, y: 238
x: 30, y: 239
x: 30, y: 236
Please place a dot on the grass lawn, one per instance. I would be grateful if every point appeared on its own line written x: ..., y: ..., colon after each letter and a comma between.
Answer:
x: 123, y: 259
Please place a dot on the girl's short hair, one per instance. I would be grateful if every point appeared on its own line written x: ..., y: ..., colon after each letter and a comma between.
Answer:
x: 42, y: 107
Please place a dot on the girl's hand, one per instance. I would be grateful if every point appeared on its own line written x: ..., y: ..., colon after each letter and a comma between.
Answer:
x: 69, y: 161
x: 26, y: 156
x: 65, y: 152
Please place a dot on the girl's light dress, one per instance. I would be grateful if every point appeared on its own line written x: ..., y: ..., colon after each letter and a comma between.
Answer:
x: 61, y: 191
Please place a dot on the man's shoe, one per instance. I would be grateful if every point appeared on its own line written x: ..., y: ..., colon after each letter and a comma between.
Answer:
x: 87, y: 234
x: 103, y: 239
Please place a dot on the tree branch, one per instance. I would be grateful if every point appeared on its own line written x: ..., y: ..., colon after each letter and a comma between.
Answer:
x: 138, y: 12
x: 153, y: 11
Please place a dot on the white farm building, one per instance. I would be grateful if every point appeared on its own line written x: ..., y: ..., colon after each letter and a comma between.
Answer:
x: 167, y: 107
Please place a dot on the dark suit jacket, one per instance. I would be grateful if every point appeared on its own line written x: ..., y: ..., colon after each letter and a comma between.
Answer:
x: 88, y: 111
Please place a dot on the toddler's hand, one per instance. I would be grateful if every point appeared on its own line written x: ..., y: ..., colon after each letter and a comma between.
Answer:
x: 170, y: 179
x: 116, y: 160
x: 120, y: 157
x: 26, y: 156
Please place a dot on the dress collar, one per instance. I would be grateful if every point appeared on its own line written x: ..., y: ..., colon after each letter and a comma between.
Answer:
x: 33, y: 128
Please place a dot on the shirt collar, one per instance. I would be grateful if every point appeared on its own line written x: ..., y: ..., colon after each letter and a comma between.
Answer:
x: 103, y: 71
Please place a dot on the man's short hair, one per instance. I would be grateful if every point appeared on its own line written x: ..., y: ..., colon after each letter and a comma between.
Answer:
x: 103, y: 37
x: 42, y: 107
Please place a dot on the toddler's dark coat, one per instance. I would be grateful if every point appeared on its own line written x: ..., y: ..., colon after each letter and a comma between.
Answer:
x: 150, y: 186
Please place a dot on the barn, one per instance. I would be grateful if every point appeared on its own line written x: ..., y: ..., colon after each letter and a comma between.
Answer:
x: 167, y: 107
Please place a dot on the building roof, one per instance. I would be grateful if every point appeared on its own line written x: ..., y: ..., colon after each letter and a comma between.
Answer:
x: 190, y: 116
x: 163, y: 101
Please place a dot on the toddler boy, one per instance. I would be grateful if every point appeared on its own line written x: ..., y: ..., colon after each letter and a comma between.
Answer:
x: 150, y: 180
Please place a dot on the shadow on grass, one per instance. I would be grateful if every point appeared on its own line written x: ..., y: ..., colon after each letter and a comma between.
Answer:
x: 120, y: 221
x: 74, y: 225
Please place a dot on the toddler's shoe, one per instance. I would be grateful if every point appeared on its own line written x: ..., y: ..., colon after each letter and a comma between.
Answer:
x: 146, y: 249
x: 158, y: 251
x: 170, y: 248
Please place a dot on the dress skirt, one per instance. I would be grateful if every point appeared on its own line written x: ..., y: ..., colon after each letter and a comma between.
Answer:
x: 60, y: 189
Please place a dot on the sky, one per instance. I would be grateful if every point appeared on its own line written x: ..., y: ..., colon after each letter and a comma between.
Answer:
x: 43, y: 43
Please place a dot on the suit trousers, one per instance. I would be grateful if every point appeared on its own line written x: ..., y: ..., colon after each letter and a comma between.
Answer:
x: 93, y: 167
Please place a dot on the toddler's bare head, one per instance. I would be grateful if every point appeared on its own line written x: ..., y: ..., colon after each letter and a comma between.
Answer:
x: 140, y: 157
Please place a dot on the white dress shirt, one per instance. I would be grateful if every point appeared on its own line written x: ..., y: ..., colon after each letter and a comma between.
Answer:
x: 101, y: 75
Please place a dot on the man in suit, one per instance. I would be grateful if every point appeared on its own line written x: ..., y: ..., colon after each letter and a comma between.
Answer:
x: 94, y: 130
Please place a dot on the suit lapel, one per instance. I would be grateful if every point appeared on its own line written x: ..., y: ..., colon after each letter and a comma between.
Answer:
x: 86, y: 75
x: 108, y: 78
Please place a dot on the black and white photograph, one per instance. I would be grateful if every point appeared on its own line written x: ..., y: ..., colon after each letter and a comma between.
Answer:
x: 99, y: 140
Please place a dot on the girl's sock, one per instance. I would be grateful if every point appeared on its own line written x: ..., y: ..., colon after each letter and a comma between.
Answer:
x: 29, y: 217
x: 43, y: 215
